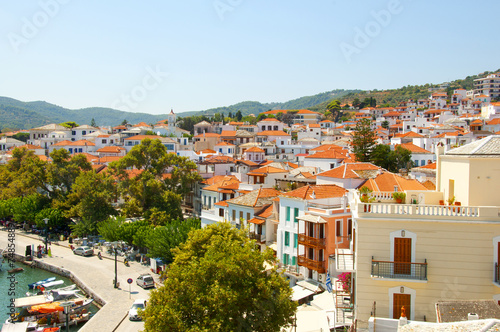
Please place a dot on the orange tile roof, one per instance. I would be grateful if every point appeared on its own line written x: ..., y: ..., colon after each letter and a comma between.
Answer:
x: 109, y: 159
x: 266, y: 170
x: 255, y: 149
x: 317, y: 192
x: 257, y: 221
x: 141, y: 124
x: 224, y: 144
x: 141, y: 137
x: 265, y: 212
x: 413, y: 148
x: 410, y: 134
x: 494, y: 121
x: 230, y: 183
x: 207, y: 135
x: 219, y: 160
x: 228, y: 133
x: 329, y: 154
x: 206, y: 151
x: 233, y: 123
x: 270, y: 119
x: 111, y: 149
x: 428, y: 166
x: 346, y: 171
x: 218, y: 178
x: 314, y: 125
x: 28, y: 147
x: 326, y: 147
x: 387, y: 181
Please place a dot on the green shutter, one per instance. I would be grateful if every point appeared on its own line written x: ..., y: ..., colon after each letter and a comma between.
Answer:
x: 287, y: 238
x: 287, y: 213
x: 294, y: 260
x: 296, y: 214
x: 295, y: 240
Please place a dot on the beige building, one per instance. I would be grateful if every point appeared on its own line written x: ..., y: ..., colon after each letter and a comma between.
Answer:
x: 444, y: 246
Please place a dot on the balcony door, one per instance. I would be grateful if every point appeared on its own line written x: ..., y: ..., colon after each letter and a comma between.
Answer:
x: 399, y: 301
x: 402, y: 255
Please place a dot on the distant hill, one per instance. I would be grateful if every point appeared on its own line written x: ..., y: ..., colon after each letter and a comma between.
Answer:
x: 15, y: 114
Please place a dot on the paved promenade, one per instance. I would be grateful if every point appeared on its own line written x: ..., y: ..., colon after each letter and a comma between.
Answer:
x: 97, y: 275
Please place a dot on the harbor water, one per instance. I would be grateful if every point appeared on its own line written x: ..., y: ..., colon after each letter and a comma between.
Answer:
x: 22, y: 279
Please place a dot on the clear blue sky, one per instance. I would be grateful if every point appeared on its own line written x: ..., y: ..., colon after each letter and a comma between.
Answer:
x: 210, y: 53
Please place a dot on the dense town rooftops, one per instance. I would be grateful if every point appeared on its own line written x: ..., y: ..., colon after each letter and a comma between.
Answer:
x: 354, y: 170
x: 259, y: 197
x: 486, y: 147
x: 316, y: 192
x: 387, y: 182
x: 413, y: 148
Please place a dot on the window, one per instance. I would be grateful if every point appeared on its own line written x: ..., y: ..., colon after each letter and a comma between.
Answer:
x: 241, y: 215
x: 84, y: 132
x: 287, y: 238
x: 72, y: 133
x: 286, y: 259
x: 295, y: 240
x: 296, y: 214
x: 294, y: 260
x: 248, y: 216
x: 287, y: 213
x: 104, y: 141
x: 338, y: 227
x: 234, y: 215
x: 221, y: 212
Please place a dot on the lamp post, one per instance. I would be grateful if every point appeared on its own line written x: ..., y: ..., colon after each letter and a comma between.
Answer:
x: 46, y: 220
x: 66, y: 306
x: 116, y: 267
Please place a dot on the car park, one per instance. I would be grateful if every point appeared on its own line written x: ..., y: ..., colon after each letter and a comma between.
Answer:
x: 145, y: 281
x: 133, y: 313
x: 84, y: 251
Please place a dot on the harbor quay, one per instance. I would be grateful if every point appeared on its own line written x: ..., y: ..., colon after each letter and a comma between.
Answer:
x: 95, y: 277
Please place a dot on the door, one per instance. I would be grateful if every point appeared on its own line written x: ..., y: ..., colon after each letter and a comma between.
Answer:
x: 402, y: 255
x: 400, y: 301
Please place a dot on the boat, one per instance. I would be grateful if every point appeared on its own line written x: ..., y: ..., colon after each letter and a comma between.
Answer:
x: 33, y: 285
x: 17, y: 269
x: 45, y: 287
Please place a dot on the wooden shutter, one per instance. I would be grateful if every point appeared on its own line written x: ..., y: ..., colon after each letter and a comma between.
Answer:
x: 399, y: 301
x: 402, y: 255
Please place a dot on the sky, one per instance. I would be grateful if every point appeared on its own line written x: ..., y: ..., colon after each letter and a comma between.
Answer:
x: 153, y: 56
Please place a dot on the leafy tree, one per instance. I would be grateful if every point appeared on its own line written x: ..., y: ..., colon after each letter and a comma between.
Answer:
x: 391, y: 160
x: 363, y: 140
x: 163, y: 239
x: 55, y: 218
x: 109, y: 229
x: 356, y: 103
x: 92, y: 196
x: 238, y: 115
x: 21, y: 176
x: 150, y: 132
x: 23, y: 137
x: 261, y: 117
x: 402, y: 158
x: 84, y: 227
x: 385, y: 124
x: 334, y: 108
x: 217, y: 283
x: 69, y: 124
x: 93, y: 123
x: 124, y: 122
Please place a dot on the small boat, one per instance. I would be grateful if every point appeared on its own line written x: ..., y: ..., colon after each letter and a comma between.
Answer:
x: 33, y: 285
x: 17, y: 269
x: 40, y: 289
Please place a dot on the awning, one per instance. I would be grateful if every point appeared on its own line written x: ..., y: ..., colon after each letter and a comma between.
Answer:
x: 257, y: 221
x: 30, y: 300
x: 298, y: 293
x: 47, y: 308
x: 273, y: 246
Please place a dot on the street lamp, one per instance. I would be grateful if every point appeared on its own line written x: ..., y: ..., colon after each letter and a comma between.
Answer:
x: 66, y: 306
x: 116, y: 267
x: 46, y: 220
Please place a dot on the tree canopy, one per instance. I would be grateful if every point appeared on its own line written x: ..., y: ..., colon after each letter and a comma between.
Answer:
x: 363, y: 140
x: 391, y: 160
x: 217, y: 283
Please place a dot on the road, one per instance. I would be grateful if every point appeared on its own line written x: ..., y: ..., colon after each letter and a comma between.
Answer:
x: 98, y: 275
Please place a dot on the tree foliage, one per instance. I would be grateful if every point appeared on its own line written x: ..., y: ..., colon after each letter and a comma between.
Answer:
x: 391, y: 160
x: 363, y: 140
x: 217, y: 283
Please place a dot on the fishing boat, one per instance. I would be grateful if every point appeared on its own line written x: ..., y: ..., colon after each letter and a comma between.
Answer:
x: 17, y: 269
x: 38, y: 290
x: 33, y: 285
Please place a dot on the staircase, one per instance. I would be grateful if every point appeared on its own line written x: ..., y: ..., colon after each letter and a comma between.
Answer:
x: 344, y: 309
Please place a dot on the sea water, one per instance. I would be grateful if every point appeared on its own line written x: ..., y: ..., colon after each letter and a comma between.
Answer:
x: 22, y: 279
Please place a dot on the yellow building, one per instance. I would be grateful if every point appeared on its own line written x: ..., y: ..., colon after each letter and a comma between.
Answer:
x: 436, y: 245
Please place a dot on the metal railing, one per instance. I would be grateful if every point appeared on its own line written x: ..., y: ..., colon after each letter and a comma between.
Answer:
x: 257, y: 236
x: 399, y: 270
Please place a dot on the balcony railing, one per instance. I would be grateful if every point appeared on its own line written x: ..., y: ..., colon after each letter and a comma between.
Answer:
x: 399, y: 270
x: 311, y: 241
x: 312, y: 264
x: 258, y: 237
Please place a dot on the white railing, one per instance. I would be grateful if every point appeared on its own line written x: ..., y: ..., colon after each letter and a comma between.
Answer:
x: 426, y: 210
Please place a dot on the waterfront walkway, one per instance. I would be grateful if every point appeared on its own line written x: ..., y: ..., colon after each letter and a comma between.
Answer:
x: 98, y: 275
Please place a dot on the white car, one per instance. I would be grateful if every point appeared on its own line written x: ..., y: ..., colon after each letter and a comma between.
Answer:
x: 84, y: 251
x: 133, y: 313
x: 145, y: 281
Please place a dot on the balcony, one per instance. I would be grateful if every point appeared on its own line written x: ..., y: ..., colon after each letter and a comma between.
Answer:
x: 259, y: 237
x: 311, y: 264
x: 398, y: 270
x: 312, y: 242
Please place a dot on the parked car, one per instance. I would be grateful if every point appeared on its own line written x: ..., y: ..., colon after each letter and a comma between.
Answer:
x: 133, y: 313
x: 145, y: 281
x: 84, y: 251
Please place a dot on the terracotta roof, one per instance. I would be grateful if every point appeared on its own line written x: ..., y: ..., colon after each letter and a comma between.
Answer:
x: 207, y: 135
x: 222, y: 203
x: 349, y: 170
x: 205, y: 151
x: 317, y: 192
x: 228, y: 133
x: 141, y: 137
x: 494, y: 121
x: 429, y: 185
x: 218, y: 178
x: 387, y: 181
x: 413, y: 148
x: 28, y: 147
x: 329, y: 154
x: 410, y: 134
x: 270, y: 119
x: 81, y: 142
x: 266, y: 170
x: 257, y: 221
x: 111, y: 149
x: 314, y: 125
x: 428, y: 166
x: 254, y: 149
x: 247, y: 162
x: 219, y: 160
x: 109, y: 159
x: 326, y: 147
x: 224, y: 144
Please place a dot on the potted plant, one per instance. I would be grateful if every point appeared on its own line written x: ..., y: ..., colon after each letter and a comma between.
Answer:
x: 451, y: 200
x: 365, y: 198
x: 399, y: 196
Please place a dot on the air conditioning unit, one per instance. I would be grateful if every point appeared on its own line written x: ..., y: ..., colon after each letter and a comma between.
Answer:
x: 322, y: 278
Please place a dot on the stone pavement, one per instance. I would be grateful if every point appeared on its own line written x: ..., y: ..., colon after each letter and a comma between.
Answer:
x: 96, y: 274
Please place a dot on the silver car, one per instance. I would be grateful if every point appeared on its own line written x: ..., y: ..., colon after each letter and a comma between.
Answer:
x: 84, y: 251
